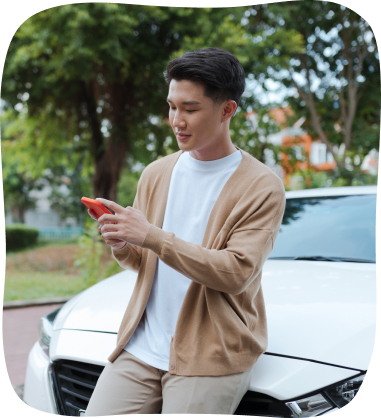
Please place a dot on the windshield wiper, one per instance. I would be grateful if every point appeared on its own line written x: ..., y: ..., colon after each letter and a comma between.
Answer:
x: 322, y: 258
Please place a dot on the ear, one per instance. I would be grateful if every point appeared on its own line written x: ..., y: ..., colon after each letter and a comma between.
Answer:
x: 228, y: 110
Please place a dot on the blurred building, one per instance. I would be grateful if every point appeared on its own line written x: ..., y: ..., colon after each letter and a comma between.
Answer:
x: 42, y: 215
x: 318, y: 157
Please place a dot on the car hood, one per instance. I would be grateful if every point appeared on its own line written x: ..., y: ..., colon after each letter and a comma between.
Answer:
x: 316, y: 310
x: 100, y: 307
x: 322, y: 311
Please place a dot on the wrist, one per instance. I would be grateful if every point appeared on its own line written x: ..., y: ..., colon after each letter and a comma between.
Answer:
x: 117, y: 247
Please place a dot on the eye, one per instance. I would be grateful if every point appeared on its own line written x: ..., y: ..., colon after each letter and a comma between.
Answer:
x: 190, y: 111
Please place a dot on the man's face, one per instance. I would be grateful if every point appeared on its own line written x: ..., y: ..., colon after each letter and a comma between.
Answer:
x: 195, y: 119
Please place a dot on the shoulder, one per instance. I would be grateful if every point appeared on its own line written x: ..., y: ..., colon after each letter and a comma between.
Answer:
x: 157, y: 168
x: 260, y: 177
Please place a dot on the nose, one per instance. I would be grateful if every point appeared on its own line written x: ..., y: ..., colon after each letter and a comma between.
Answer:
x: 177, y: 121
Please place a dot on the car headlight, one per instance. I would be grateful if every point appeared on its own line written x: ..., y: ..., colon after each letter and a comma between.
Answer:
x: 45, y: 329
x: 342, y: 394
x: 330, y: 398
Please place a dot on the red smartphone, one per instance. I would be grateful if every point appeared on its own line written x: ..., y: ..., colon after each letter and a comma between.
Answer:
x: 96, y: 206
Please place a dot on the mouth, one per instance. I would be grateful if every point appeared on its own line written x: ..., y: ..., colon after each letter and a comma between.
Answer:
x: 182, y: 137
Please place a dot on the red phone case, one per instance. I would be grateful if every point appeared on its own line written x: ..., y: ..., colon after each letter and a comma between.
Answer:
x: 96, y: 206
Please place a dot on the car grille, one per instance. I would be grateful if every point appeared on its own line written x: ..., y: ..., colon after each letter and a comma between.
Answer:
x: 73, y: 385
x: 261, y: 405
x: 74, y: 382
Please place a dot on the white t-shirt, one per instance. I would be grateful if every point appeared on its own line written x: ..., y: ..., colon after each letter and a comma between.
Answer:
x: 194, y: 188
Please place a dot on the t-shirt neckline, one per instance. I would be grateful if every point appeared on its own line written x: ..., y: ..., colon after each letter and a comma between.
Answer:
x: 212, y: 165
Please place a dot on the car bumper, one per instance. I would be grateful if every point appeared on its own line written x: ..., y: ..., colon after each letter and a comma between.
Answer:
x: 283, y: 379
x: 37, y: 387
x: 87, y: 347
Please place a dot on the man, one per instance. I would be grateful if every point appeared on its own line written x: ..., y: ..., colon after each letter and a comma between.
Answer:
x: 203, y: 222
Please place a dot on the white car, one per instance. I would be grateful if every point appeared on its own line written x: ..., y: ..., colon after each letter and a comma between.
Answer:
x: 319, y: 286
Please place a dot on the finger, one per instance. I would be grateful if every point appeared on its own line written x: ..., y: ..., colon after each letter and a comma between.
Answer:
x: 92, y: 214
x: 109, y: 228
x: 119, y: 245
x: 101, y: 225
x: 105, y: 218
x: 111, y: 235
x: 112, y: 205
x: 114, y: 242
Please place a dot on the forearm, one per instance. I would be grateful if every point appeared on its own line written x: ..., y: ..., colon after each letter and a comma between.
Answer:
x: 229, y: 270
x: 128, y: 257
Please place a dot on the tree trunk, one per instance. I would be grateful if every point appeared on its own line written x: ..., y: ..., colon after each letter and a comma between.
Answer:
x: 22, y: 215
x: 15, y: 214
x: 108, y: 169
x: 18, y: 214
x: 109, y: 155
x: 262, y: 158
x: 308, y: 97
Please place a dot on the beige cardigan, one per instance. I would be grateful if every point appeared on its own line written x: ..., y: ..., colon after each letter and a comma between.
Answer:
x: 221, y: 328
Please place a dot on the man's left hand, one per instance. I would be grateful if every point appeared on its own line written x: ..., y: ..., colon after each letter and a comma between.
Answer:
x: 128, y: 224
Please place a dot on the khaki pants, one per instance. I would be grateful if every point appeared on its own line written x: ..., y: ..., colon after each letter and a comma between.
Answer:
x: 130, y: 386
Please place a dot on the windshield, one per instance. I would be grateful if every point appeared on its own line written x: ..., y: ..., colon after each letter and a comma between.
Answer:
x: 334, y: 226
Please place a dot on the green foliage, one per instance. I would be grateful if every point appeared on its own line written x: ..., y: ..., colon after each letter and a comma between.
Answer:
x: 40, y: 285
x: 334, y: 61
x: 67, y: 202
x: 48, y: 271
x: 310, y: 179
x: 88, y: 257
x: 56, y: 243
x: 112, y: 268
x: 24, y: 172
x: 16, y: 188
x: 251, y: 133
x: 18, y: 236
x: 127, y: 187
x: 353, y: 177
x: 87, y: 79
x: 18, y: 182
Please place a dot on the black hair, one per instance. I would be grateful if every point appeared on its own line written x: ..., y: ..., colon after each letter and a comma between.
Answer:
x: 219, y: 71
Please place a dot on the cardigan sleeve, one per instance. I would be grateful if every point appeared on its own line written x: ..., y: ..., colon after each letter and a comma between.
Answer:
x: 129, y: 256
x: 231, y: 269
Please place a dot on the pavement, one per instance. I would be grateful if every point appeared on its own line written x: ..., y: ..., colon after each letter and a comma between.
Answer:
x: 16, y: 304
x: 20, y: 332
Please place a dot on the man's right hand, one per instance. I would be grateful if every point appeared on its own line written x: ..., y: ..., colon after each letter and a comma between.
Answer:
x: 114, y: 243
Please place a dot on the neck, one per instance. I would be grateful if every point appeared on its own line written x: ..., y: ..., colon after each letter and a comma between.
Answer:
x: 214, y: 153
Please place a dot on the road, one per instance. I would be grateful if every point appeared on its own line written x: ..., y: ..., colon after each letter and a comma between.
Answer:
x: 20, y: 332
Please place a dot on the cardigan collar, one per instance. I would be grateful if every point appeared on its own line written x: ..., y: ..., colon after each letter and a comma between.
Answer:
x: 226, y: 190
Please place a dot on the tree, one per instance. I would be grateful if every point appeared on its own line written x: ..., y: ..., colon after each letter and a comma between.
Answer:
x: 334, y: 81
x: 17, y: 183
x: 67, y: 189
x: 251, y: 131
x: 88, y: 79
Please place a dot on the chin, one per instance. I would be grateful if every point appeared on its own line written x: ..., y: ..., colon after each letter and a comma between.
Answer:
x: 184, y: 146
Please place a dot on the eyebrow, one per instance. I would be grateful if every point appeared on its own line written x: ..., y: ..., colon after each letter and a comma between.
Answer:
x: 187, y: 103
